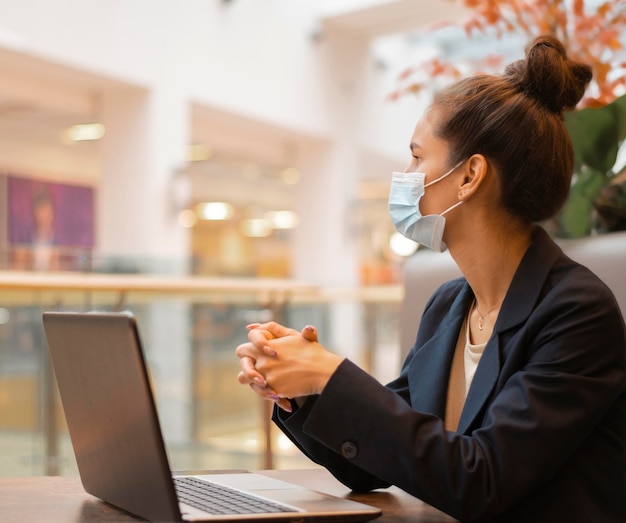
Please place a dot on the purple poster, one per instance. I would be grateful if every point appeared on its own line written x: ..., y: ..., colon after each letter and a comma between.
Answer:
x: 48, y: 222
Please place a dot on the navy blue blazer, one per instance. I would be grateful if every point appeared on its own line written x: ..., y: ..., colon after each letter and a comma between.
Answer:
x: 542, y: 436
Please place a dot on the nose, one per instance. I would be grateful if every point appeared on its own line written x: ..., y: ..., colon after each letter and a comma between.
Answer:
x: 411, y: 168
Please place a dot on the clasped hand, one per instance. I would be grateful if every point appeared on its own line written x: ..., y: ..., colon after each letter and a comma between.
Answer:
x: 280, y: 363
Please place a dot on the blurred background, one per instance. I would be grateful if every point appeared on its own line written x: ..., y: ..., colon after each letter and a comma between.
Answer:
x: 204, y: 164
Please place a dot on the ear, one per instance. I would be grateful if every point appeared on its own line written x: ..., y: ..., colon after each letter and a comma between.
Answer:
x: 474, y: 174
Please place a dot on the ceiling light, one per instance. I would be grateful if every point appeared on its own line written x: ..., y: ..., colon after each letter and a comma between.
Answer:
x: 85, y: 132
x: 199, y: 152
x: 215, y: 210
x: 255, y: 228
x: 282, y: 219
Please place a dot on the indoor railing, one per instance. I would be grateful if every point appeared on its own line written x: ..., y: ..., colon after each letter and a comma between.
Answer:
x: 190, y: 327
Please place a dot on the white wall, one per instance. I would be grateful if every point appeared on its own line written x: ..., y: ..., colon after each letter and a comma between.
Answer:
x: 250, y: 56
x: 272, y: 62
x: 157, y: 72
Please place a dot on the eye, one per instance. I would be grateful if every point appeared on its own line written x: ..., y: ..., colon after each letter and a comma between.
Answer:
x: 414, y: 154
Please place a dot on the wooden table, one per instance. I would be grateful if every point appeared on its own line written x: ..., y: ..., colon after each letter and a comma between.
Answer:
x: 61, y: 499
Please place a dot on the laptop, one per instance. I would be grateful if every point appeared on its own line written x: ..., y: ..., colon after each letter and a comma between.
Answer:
x: 113, y: 424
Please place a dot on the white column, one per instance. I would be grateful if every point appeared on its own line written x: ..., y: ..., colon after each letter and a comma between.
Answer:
x: 146, y: 140
x: 325, y: 250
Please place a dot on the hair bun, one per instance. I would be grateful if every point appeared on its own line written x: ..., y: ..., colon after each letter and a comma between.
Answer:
x: 548, y: 76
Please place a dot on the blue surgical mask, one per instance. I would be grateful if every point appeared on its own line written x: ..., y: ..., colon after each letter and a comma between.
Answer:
x: 404, y: 196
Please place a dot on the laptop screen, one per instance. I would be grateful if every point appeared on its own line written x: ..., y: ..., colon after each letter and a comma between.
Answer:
x: 110, y: 412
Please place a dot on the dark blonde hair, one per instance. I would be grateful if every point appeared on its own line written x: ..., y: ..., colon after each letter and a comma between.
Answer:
x: 516, y: 121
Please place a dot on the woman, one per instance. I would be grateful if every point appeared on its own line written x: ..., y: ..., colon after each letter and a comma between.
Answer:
x: 42, y: 252
x: 511, y: 406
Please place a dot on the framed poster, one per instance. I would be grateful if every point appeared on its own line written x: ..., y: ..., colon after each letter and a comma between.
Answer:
x: 50, y: 226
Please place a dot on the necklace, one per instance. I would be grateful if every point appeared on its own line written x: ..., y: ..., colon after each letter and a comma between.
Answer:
x: 481, y: 317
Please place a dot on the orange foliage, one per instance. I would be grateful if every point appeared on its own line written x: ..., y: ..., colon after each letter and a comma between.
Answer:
x: 591, y: 34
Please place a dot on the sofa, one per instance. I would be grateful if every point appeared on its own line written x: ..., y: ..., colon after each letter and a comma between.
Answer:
x: 604, y: 254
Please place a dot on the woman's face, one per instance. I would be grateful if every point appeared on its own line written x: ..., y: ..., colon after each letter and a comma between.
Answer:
x: 430, y: 155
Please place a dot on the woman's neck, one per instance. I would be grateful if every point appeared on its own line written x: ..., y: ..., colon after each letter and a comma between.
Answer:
x: 489, y: 261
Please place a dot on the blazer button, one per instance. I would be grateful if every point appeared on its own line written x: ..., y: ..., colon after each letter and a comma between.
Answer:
x: 349, y: 449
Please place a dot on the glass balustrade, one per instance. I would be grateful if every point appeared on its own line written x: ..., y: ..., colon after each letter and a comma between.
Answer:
x: 190, y: 327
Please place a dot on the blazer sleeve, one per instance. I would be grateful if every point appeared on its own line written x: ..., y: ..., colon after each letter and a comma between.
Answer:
x: 351, y: 475
x: 562, y: 372
x: 337, y: 463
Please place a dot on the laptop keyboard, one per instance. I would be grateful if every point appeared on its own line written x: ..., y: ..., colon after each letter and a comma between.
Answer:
x: 220, y: 499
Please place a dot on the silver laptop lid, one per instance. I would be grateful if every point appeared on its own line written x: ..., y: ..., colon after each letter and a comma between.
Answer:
x: 116, y: 435
x: 118, y: 445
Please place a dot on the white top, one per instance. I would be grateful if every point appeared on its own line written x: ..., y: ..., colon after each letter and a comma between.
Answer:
x: 472, y: 356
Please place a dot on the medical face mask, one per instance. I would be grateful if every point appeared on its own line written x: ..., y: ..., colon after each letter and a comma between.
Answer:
x: 404, y: 196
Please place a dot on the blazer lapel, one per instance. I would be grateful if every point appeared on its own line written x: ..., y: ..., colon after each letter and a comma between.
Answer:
x: 484, y: 380
x: 518, y: 304
x: 430, y: 367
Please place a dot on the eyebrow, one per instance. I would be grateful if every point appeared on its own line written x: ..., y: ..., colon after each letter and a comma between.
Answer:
x: 414, y: 145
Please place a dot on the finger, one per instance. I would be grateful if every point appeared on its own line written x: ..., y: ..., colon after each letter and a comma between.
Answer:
x: 309, y: 333
x: 249, y: 350
x: 284, y: 404
x: 262, y: 391
x: 269, y: 351
x: 259, y: 339
x: 245, y: 350
x: 253, y: 326
x: 242, y: 378
x: 252, y: 349
x: 251, y: 374
x: 277, y: 330
x: 266, y: 393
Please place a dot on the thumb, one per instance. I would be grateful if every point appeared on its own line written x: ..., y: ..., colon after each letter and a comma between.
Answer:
x: 309, y: 333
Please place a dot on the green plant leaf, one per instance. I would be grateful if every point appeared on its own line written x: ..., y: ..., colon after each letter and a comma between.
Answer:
x: 576, y: 215
x: 596, y: 134
x: 619, y: 107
